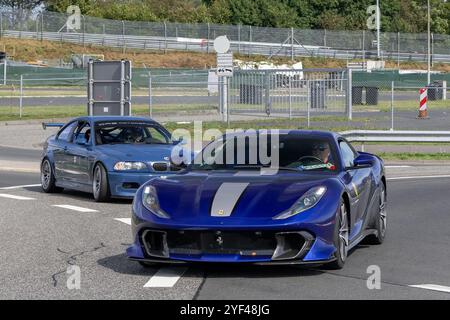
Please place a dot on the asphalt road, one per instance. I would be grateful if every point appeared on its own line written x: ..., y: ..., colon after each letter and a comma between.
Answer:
x: 39, y: 240
x: 8, y: 153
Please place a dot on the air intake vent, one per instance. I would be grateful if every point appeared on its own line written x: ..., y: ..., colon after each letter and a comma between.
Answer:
x: 160, y: 166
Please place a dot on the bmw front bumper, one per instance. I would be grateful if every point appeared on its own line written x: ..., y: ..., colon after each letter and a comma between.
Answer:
x: 125, y: 184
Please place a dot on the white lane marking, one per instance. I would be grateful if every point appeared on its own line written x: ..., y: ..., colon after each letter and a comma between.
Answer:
x: 124, y: 220
x: 418, y: 177
x: 75, y: 208
x: 166, y: 277
x: 20, y: 187
x: 402, y: 166
x: 11, y: 196
x: 434, y: 287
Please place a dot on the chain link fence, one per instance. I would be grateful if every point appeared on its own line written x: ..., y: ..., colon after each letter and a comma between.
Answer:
x: 63, y: 95
x: 287, y: 42
x: 394, y: 99
x: 288, y: 92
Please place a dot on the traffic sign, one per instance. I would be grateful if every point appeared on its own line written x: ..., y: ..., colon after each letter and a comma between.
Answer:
x: 225, y: 72
x: 225, y: 64
x: 221, y: 44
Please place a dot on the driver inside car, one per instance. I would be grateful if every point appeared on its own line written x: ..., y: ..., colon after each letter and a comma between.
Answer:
x: 322, y: 151
x: 135, y: 135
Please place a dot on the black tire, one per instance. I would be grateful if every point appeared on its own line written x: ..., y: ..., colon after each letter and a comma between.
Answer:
x: 48, y: 181
x: 341, y: 234
x: 380, y: 220
x: 100, y: 185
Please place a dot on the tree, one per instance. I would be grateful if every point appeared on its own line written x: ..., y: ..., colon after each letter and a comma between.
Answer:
x: 20, y: 4
x: 396, y: 15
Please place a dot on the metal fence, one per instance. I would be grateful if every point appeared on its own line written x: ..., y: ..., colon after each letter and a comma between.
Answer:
x: 316, y: 98
x: 288, y: 92
x: 288, y: 42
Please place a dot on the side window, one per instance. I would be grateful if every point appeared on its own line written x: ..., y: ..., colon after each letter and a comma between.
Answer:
x: 82, y: 133
x: 66, y: 133
x: 156, y: 135
x: 348, y: 155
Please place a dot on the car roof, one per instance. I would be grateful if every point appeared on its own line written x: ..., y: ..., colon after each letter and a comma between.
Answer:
x: 114, y: 118
x: 295, y: 132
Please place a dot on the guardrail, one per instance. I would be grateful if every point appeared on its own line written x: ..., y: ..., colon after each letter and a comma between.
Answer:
x: 396, y: 136
x: 243, y: 47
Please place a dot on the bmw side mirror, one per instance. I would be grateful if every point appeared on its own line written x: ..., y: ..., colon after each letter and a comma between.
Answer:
x: 177, y: 166
x: 180, y: 141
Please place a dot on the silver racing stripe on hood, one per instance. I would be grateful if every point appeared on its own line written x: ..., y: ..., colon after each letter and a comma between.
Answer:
x: 226, y: 198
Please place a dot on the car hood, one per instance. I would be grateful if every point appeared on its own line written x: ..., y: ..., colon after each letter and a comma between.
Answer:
x: 234, y: 195
x: 144, y: 152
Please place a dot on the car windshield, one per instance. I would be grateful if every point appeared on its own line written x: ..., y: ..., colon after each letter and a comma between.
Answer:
x: 292, y: 152
x: 130, y: 132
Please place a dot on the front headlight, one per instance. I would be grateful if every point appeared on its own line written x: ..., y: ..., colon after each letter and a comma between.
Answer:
x: 151, y: 202
x: 305, y: 202
x: 130, y: 166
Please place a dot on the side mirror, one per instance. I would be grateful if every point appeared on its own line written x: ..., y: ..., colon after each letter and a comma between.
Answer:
x: 180, y: 141
x: 363, y: 160
x: 178, y: 166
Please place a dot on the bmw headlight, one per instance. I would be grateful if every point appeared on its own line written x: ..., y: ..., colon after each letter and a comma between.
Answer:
x: 305, y: 202
x: 151, y: 202
x: 130, y: 166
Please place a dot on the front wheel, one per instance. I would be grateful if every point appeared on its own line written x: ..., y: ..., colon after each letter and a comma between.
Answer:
x: 48, y: 181
x: 341, y: 236
x: 381, y: 220
x: 100, y: 186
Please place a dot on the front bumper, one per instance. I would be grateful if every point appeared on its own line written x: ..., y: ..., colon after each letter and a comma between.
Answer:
x: 223, y: 246
x: 125, y: 184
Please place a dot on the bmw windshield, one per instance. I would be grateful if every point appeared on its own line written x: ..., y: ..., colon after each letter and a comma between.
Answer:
x: 130, y: 132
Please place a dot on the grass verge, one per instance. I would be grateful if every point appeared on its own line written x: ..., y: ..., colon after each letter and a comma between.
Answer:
x: 414, y: 156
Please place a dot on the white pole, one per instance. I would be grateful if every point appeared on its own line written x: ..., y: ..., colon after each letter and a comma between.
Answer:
x: 21, y: 96
x: 150, y: 102
x: 349, y: 107
x: 4, y: 71
x: 392, y: 106
x: 363, y: 47
x: 429, y: 44
x: 378, y: 29
x: 308, y: 85
x: 290, y: 98
x: 444, y: 90
x: 225, y: 98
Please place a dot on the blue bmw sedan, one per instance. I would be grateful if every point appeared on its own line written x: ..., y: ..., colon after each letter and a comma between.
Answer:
x: 106, y: 156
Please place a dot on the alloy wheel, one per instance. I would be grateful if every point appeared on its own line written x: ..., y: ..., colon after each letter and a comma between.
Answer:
x: 97, y: 181
x: 383, y: 217
x: 46, y: 173
x: 343, y: 233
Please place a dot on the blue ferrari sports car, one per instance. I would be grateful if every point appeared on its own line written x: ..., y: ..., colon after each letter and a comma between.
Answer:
x: 317, y: 201
x: 106, y: 156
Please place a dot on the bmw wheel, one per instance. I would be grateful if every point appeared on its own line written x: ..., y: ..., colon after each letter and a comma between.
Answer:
x: 341, y: 237
x: 100, y: 186
x: 48, y: 178
x: 381, y: 220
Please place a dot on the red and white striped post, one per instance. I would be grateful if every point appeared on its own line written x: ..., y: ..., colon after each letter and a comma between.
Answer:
x: 423, y: 113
